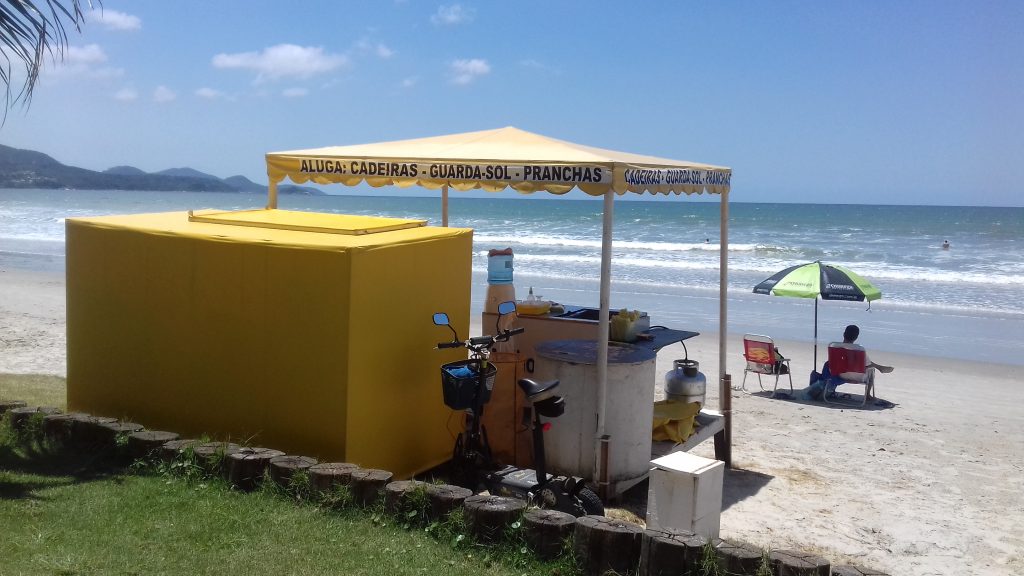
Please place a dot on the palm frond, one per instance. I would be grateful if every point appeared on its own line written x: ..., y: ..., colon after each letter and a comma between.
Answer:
x: 29, y: 30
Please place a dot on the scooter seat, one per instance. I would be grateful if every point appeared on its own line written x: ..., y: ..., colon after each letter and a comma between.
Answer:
x: 536, y: 391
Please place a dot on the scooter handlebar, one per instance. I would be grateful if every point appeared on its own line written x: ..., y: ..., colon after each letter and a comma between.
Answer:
x: 481, y: 340
x: 442, y: 345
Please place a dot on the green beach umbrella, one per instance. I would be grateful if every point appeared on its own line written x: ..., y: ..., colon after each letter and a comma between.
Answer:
x: 816, y: 279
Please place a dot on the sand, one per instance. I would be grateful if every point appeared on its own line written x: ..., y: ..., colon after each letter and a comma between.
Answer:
x: 933, y: 484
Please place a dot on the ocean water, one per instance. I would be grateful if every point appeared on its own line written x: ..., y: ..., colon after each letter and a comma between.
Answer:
x: 964, y: 302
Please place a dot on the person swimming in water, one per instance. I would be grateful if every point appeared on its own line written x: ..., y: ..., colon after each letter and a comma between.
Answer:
x: 945, y: 244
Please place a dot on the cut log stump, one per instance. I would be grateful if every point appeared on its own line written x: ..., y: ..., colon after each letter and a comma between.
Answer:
x: 86, y: 431
x: 601, y: 544
x: 109, y: 432
x: 367, y: 485
x: 798, y: 563
x: 283, y: 468
x: 670, y: 552
x: 444, y: 498
x: 21, y: 416
x: 547, y: 530
x: 737, y: 557
x: 325, y: 477
x: 404, y: 496
x: 8, y: 405
x: 58, y: 427
x: 488, y: 517
x: 247, y: 466
x: 213, y: 456
x: 855, y: 571
x: 172, y: 449
x: 146, y: 443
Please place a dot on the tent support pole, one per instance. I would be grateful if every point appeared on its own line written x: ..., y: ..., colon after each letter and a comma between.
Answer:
x: 602, y: 444
x: 724, y: 382
x: 272, y: 195
x: 444, y: 205
x: 815, y: 365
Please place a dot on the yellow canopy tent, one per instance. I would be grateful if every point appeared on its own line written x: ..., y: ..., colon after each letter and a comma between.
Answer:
x: 494, y: 160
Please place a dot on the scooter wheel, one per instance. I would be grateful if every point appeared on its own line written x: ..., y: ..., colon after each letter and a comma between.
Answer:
x: 590, y: 503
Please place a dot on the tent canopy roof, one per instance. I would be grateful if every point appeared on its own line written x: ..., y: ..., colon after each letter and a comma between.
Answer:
x: 494, y: 160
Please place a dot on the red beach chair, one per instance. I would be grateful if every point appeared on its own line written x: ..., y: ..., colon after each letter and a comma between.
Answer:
x: 762, y: 358
x: 848, y: 366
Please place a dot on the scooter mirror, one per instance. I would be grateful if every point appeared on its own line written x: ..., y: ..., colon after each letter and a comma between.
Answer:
x: 507, y: 307
x: 441, y: 319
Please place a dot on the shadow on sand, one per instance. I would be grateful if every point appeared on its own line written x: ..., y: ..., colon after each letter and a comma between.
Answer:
x: 842, y: 401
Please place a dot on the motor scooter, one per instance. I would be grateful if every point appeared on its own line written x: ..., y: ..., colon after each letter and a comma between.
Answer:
x: 467, y: 385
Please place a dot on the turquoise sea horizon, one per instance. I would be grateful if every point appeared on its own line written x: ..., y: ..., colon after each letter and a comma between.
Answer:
x: 964, y: 302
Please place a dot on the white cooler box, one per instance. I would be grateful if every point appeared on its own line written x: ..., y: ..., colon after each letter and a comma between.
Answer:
x: 685, y: 494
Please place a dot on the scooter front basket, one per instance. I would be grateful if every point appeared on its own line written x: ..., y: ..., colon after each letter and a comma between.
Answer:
x: 459, y: 381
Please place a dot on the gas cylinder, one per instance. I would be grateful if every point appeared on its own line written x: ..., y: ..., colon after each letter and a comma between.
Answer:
x: 684, y: 383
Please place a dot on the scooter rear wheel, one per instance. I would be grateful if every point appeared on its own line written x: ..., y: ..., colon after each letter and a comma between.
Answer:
x: 590, y: 503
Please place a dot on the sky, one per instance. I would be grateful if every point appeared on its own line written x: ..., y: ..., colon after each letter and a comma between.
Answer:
x: 826, y: 102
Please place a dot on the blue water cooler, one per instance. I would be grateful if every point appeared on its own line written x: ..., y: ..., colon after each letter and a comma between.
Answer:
x: 499, y: 279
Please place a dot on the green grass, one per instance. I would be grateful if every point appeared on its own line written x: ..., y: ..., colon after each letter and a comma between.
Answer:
x: 70, y: 514
x: 34, y: 389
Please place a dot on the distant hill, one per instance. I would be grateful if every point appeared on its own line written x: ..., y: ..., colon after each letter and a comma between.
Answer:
x: 124, y: 170
x: 243, y: 184
x: 31, y: 169
x: 186, y: 172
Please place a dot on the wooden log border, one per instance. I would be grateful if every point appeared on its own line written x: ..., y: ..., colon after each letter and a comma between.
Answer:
x: 8, y: 405
x: 798, y: 563
x: 602, y: 544
x: 671, y: 552
x: 212, y: 456
x: 368, y: 484
x: 247, y: 466
x: 147, y: 443
x: 110, y: 433
x: 21, y: 416
x: 547, y: 531
x: 407, y: 500
x: 445, y: 498
x: 489, y: 517
x: 326, y: 478
x: 174, y: 449
x: 659, y: 552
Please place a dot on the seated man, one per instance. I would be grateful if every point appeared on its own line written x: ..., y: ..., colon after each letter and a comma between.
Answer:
x: 849, y: 337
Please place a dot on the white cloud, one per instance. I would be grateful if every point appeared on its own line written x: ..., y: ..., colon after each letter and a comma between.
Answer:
x: 294, y: 92
x: 379, y: 50
x: 539, y: 66
x: 452, y: 15
x: 83, y: 61
x: 210, y: 94
x: 410, y: 82
x: 283, y: 61
x: 114, y: 20
x: 163, y: 94
x: 84, y: 55
x: 126, y: 95
x: 466, y: 71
